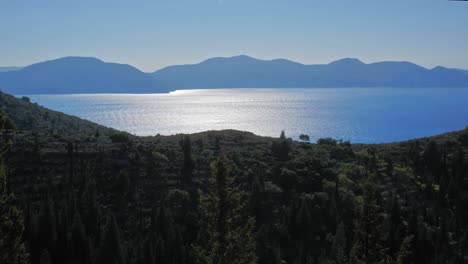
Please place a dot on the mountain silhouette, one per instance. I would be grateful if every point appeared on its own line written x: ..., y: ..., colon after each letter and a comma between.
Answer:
x: 244, y: 72
x: 78, y: 75
x: 90, y: 75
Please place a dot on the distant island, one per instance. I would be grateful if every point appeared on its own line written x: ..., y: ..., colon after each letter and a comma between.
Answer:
x: 7, y: 69
x: 90, y: 75
x: 247, y: 72
x: 71, y: 75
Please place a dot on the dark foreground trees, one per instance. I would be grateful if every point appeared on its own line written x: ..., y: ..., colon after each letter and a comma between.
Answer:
x: 327, y: 203
x: 227, y: 233
x: 12, y: 249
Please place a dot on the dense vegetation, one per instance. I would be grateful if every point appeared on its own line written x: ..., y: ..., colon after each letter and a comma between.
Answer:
x: 227, y: 197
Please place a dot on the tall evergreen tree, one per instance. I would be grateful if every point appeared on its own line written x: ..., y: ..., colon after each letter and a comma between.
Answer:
x: 281, y: 148
x: 79, y: 250
x: 110, y: 250
x: 405, y: 254
x: 187, y: 166
x: 339, y: 244
x: 90, y: 209
x: 368, y: 247
x: 12, y: 248
x: 163, y: 235
x: 229, y: 235
x: 394, y: 227
x: 45, y: 257
x: 47, y: 225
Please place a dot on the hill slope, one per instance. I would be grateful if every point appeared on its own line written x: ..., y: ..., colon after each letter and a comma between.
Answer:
x: 247, y: 72
x: 27, y: 116
x: 303, y: 197
x: 77, y: 75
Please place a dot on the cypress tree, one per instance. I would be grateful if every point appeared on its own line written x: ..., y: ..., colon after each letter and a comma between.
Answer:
x: 281, y: 148
x: 12, y: 248
x: 187, y: 166
x: 405, y: 254
x: 78, y: 241
x: 45, y: 257
x: 62, y: 234
x: 90, y: 209
x: 110, y: 250
x: 163, y: 235
x: 432, y: 159
x: 394, y: 221
x: 339, y: 244
x: 229, y: 238
x: 368, y: 246
x: 47, y: 225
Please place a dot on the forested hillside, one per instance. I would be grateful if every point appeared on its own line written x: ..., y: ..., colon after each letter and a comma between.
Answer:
x: 229, y: 196
x: 28, y: 116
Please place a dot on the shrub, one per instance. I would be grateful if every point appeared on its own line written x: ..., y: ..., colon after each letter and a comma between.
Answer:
x: 326, y: 141
x: 304, y: 137
x: 120, y: 137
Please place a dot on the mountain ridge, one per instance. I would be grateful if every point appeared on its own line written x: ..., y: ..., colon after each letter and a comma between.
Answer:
x: 243, y: 71
x: 78, y: 75
x: 74, y: 74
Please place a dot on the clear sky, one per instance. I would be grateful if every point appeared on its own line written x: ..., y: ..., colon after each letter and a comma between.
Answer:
x: 151, y: 34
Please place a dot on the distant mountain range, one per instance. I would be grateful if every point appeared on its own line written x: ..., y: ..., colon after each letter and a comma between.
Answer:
x: 244, y: 71
x: 78, y: 75
x: 90, y: 75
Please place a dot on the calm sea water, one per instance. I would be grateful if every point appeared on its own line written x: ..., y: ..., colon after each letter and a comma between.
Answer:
x: 366, y: 115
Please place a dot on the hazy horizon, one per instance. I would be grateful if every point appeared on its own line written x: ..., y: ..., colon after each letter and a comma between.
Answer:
x: 16, y: 67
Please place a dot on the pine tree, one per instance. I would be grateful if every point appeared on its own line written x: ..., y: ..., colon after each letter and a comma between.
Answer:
x: 394, y: 224
x: 368, y: 246
x: 62, y: 233
x: 163, y: 235
x: 110, y: 250
x: 47, y: 225
x: 187, y: 166
x: 78, y: 241
x: 339, y: 244
x: 45, y: 257
x: 432, y: 158
x: 230, y: 238
x: 12, y: 248
x: 281, y: 148
x: 405, y: 254
x: 90, y: 209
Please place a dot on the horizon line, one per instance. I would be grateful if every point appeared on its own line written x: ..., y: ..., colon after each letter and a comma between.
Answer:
x: 230, y: 57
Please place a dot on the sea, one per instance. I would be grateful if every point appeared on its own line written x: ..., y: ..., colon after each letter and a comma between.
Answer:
x: 361, y: 115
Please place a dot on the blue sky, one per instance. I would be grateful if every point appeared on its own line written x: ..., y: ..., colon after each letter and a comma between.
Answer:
x: 151, y: 34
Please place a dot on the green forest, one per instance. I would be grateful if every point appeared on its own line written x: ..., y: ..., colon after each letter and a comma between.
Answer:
x: 75, y: 192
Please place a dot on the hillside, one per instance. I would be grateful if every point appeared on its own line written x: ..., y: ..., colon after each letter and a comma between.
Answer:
x: 136, y: 199
x: 77, y: 75
x: 247, y: 72
x: 27, y: 116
